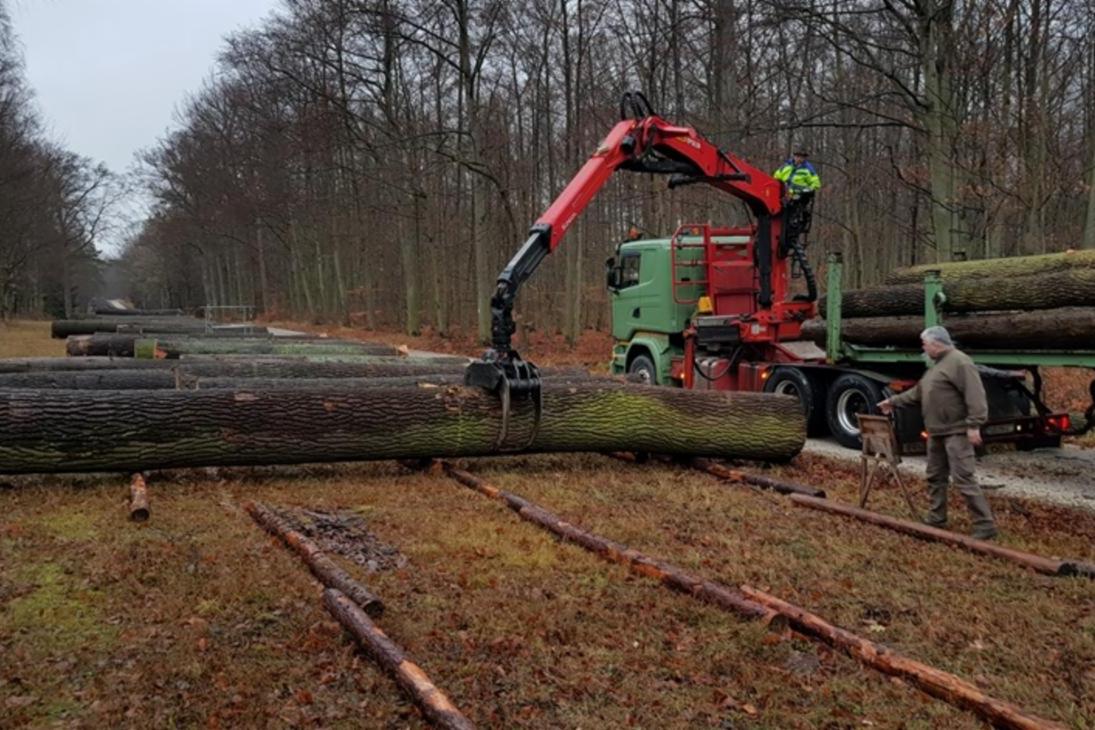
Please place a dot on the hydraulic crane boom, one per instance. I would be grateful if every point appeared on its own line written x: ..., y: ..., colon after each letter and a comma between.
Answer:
x: 640, y: 142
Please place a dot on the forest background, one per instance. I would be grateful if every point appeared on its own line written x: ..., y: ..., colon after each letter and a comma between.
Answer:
x: 378, y: 161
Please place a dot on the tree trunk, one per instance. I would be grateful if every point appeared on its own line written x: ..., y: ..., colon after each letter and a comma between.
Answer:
x: 119, y: 374
x: 990, y: 268
x: 136, y: 345
x: 1068, y: 288
x: 62, y: 328
x: 1049, y: 329
x: 73, y: 431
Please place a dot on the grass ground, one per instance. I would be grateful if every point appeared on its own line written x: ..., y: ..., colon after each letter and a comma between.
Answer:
x: 198, y: 618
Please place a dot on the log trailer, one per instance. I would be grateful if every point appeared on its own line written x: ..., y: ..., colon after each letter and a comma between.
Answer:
x: 713, y: 307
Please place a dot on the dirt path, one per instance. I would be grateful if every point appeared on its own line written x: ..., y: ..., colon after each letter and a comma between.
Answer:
x: 1063, y: 476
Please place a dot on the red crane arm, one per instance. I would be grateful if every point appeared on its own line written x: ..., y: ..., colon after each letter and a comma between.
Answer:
x: 679, y: 150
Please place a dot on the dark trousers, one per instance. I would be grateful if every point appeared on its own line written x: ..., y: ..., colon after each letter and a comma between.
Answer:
x: 952, y: 456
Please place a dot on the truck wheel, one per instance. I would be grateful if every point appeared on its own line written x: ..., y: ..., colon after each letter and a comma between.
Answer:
x: 794, y: 382
x: 643, y: 366
x: 850, y: 394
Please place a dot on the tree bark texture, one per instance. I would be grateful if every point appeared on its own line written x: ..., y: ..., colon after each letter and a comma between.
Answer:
x: 993, y: 268
x: 1049, y: 329
x: 1072, y: 287
x: 172, y: 348
x: 435, y: 705
x: 670, y: 575
x: 323, y: 568
x: 935, y: 682
x: 75, y: 431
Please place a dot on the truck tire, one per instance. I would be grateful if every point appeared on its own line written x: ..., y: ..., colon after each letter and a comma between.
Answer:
x: 643, y: 366
x: 851, y: 393
x: 792, y: 381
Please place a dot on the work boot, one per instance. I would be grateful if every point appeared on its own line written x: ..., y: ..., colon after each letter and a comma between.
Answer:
x: 985, y: 533
x: 932, y: 520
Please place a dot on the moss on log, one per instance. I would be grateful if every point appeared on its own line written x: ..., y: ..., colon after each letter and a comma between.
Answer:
x: 1071, y: 288
x: 128, y: 345
x: 1049, y: 329
x: 75, y: 431
x: 993, y: 268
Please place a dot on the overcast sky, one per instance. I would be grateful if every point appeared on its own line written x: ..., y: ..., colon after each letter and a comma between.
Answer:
x: 108, y: 74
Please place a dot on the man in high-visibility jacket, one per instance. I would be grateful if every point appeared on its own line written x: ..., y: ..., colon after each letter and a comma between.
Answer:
x: 800, y: 182
x: 798, y: 175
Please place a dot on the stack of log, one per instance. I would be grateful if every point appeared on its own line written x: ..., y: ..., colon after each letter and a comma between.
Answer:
x: 104, y: 414
x: 1044, y: 302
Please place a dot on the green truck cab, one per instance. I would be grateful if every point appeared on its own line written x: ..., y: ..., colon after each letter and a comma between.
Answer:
x: 648, y: 316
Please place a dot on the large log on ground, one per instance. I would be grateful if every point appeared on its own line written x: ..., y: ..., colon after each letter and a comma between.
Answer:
x: 121, y: 312
x: 1074, y: 287
x: 323, y: 568
x: 269, y: 375
x: 993, y: 268
x: 1048, y: 329
x: 74, y: 431
x: 123, y: 345
x: 256, y: 367
x: 62, y: 328
x: 435, y: 705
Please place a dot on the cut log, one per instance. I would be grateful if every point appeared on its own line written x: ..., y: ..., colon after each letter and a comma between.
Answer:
x: 435, y: 705
x: 671, y: 576
x: 1049, y: 329
x: 262, y: 375
x: 993, y: 268
x: 935, y: 682
x: 325, y: 570
x: 1070, y: 288
x: 1037, y: 563
x: 138, y: 499
x: 129, y: 345
x: 106, y: 430
x: 757, y: 480
x: 62, y: 328
x: 121, y: 312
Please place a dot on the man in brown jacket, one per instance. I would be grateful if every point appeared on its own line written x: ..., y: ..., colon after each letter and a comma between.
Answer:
x: 952, y: 399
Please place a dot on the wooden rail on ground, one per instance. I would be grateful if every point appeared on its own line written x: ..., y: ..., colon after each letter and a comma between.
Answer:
x: 324, y: 569
x: 934, y: 682
x: 1047, y: 566
x: 813, y: 498
x: 435, y: 705
x: 669, y: 575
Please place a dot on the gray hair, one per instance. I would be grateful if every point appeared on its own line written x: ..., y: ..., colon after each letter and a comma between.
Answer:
x: 939, y: 334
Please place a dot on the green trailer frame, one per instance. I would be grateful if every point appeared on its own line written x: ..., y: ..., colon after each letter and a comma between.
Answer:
x: 935, y: 298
